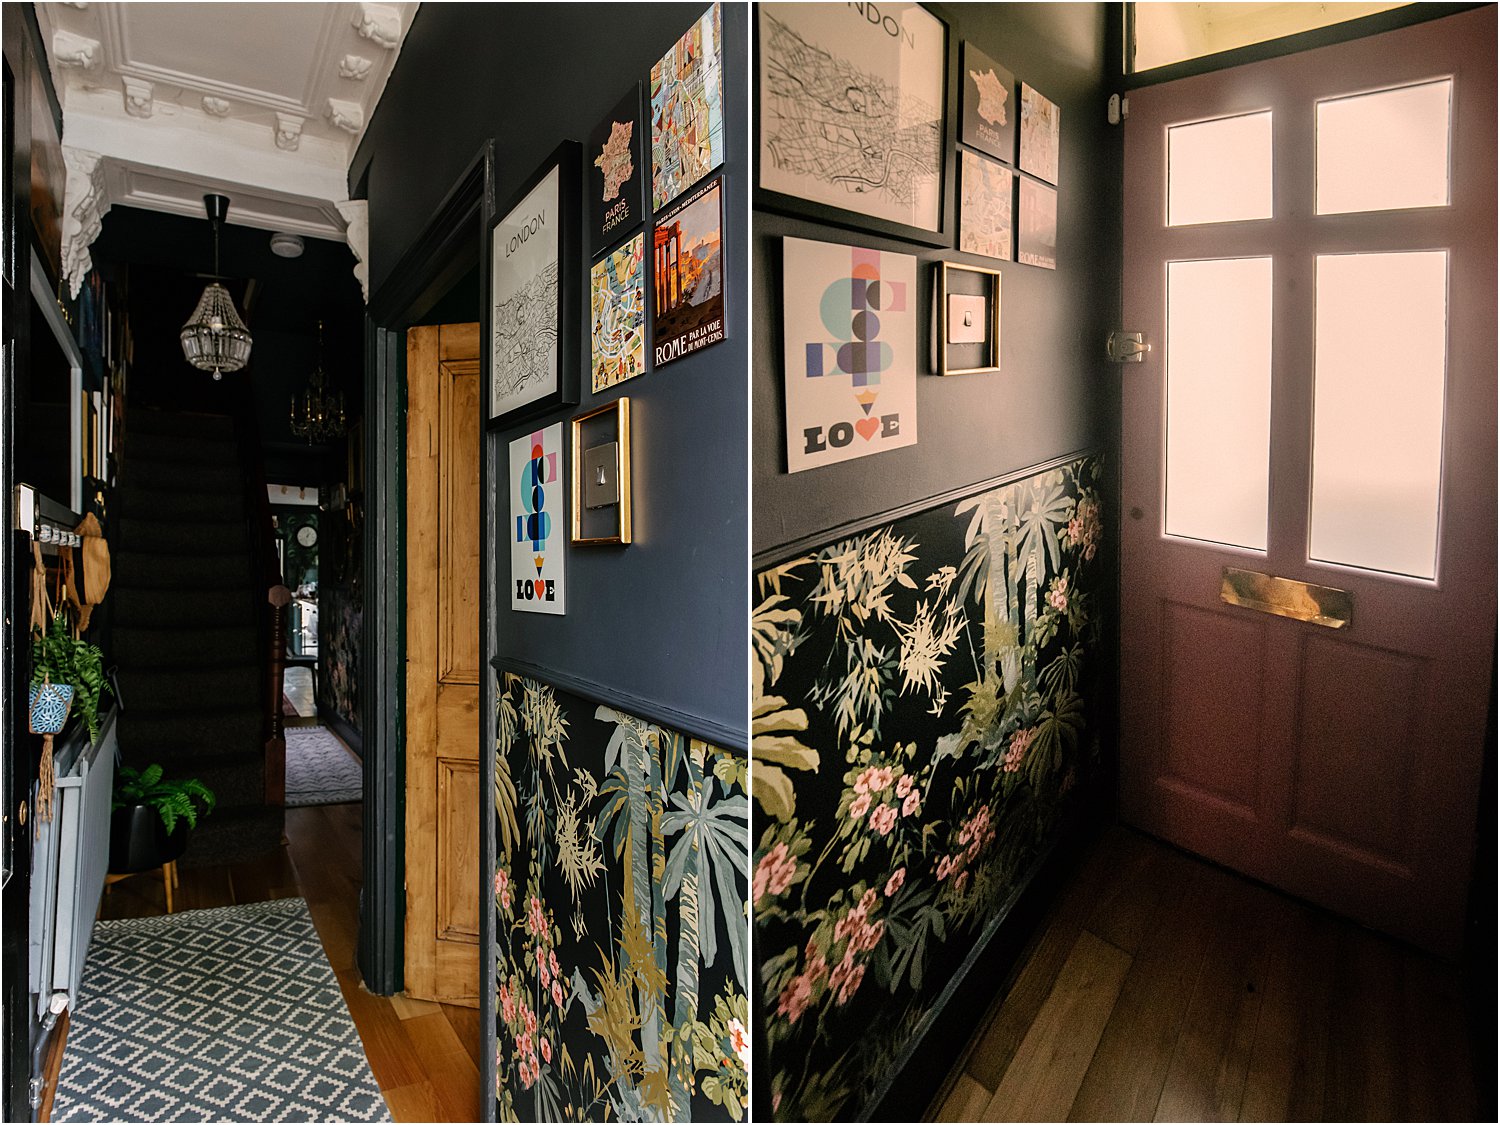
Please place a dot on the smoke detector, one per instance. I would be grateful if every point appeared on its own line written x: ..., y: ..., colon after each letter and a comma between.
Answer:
x: 286, y: 245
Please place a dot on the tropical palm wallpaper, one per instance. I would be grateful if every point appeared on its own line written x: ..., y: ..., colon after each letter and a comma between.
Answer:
x: 918, y: 725
x: 621, y: 927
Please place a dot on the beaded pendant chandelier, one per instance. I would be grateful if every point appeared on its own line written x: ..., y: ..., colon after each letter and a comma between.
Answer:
x: 215, y: 338
x: 318, y: 413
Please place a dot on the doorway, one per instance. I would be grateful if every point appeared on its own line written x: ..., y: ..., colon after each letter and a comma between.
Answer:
x: 1308, y: 470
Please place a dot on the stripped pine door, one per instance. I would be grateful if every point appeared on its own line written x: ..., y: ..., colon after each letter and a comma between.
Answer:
x: 442, y: 663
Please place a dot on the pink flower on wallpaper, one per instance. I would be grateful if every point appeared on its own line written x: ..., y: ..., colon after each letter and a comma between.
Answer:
x: 903, y: 787
x: 546, y: 1049
x: 867, y: 901
x: 739, y: 1042
x: 774, y: 872
x: 880, y: 779
x: 1057, y: 596
x: 536, y: 920
x: 552, y: 960
x: 860, y: 806
x: 883, y: 819
x: 794, y: 999
x: 893, y: 884
x: 502, y: 888
x: 913, y: 803
x: 557, y: 992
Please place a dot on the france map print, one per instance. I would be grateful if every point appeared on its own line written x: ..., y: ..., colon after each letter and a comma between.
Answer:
x: 687, y: 110
x: 851, y: 104
x: 538, y: 532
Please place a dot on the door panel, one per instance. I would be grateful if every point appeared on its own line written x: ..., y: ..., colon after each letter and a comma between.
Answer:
x: 1342, y: 765
x: 442, y: 672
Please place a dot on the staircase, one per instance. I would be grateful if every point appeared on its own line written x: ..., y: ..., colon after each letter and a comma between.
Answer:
x: 185, y: 626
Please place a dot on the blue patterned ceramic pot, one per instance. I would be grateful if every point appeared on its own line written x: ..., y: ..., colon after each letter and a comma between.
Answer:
x: 49, y: 707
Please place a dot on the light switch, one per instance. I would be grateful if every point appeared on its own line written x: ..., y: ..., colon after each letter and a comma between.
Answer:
x: 601, y: 480
x: 965, y: 318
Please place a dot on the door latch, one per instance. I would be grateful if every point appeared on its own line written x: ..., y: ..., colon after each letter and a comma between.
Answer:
x: 1127, y: 347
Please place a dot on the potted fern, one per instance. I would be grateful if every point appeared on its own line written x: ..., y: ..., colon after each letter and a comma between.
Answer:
x: 64, y: 671
x: 152, y: 817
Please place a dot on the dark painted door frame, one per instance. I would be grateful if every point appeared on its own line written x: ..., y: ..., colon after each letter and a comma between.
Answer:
x: 449, y: 246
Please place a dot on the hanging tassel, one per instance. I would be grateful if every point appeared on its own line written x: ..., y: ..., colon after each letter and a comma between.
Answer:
x: 44, y: 783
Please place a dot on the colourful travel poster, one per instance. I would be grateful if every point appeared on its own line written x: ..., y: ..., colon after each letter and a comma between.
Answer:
x: 687, y: 110
x: 538, y: 527
x: 688, y: 312
x: 617, y: 301
x: 851, y: 352
x: 1038, y: 225
x: 616, y: 176
x: 984, y: 215
x: 1041, y: 134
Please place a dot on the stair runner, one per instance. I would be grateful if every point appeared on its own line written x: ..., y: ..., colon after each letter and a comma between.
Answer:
x: 184, y: 626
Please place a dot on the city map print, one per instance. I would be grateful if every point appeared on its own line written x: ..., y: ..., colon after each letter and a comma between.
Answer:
x: 851, y: 115
x: 984, y: 216
x: 617, y: 300
x: 687, y: 110
x: 525, y: 333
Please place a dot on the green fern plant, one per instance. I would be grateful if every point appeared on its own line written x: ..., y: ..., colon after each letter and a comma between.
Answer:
x: 64, y: 659
x: 170, y: 797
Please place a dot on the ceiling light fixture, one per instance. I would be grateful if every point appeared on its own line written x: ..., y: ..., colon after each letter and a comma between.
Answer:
x: 215, y: 338
x: 318, y: 413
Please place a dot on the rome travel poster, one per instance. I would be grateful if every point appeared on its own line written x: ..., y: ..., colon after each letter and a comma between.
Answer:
x: 688, y: 275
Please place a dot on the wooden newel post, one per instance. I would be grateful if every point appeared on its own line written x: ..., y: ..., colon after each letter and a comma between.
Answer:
x: 279, y: 597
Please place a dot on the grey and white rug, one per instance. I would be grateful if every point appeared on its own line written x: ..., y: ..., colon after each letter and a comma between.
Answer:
x: 231, y: 1014
x: 319, y: 771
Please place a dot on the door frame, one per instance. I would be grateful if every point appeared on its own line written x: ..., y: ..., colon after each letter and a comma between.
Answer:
x: 450, y: 244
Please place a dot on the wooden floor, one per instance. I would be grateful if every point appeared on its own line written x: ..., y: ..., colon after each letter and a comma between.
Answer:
x: 425, y: 1056
x: 1164, y: 988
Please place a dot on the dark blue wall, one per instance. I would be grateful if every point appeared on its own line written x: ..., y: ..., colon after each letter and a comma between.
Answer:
x: 1054, y: 393
x: 663, y: 620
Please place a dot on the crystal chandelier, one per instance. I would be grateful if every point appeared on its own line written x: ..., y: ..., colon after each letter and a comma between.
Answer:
x: 215, y: 338
x: 317, y: 413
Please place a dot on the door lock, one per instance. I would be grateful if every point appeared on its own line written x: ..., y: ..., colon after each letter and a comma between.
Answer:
x: 1127, y: 347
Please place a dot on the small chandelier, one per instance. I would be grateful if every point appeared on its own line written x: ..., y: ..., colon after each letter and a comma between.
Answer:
x: 215, y: 338
x: 317, y: 413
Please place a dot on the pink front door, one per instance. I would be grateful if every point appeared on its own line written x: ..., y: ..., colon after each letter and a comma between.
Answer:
x: 1310, y: 251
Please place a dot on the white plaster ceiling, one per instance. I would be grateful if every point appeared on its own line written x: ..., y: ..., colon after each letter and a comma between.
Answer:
x: 263, y: 102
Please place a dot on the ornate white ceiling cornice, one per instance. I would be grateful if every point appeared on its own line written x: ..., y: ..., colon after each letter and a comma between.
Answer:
x: 263, y: 102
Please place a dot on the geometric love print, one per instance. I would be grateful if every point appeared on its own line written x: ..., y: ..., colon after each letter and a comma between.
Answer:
x: 536, y: 508
x: 851, y: 350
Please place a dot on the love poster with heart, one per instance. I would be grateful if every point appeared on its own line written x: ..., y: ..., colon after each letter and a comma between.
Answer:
x: 538, y: 529
x: 851, y: 352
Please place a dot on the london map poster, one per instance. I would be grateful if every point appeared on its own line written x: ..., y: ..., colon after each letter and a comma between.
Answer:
x: 617, y: 306
x: 850, y: 323
x: 537, y: 529
x: 688, y: 275
x: 525, y: 366
x: 851, y: 108
x: 687, y: 110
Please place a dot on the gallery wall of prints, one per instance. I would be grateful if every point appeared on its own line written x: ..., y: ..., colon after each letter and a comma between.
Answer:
x: 855, y: 128
x: 621, y: 950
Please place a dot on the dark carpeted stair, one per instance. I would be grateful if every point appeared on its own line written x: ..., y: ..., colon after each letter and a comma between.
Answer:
x: 184, y: 612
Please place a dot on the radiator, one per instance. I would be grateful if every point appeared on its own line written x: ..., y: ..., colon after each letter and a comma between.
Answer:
x: 69, y: 863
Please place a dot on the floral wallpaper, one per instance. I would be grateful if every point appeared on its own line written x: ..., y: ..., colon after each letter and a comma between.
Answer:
x: 621, y: 927
x: 918, y: 724
x: 340, y: 616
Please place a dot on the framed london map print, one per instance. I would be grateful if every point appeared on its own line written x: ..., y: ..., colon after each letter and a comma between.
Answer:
x: 852, y: 128
x: 533, y: 294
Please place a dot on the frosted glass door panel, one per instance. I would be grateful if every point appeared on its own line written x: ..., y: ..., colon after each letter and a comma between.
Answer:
x: 1219, y: 400
x: 1384, y: 151
x: 1219, y: 171
x: 1379, y: 364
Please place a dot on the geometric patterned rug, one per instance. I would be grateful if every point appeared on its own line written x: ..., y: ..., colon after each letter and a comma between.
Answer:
x: 231, y: 1014
x: 319, y: 771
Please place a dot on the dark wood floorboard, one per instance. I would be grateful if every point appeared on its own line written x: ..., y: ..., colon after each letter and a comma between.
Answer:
x: 1165, y: 988
x: 425, y: 1057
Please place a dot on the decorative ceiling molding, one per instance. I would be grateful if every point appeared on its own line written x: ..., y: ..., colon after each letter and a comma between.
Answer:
x: 356, y: 213
x: 85, y: 201
x: 75, y: 50
x: 263, y: 102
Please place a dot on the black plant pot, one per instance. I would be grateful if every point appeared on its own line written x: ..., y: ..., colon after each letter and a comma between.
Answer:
x: 138, y: 841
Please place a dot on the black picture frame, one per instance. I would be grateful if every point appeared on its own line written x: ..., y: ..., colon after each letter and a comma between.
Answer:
x: 943, y: 236
x: 997, y: 141
x: 633, y: 192
x: 565, y: 242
